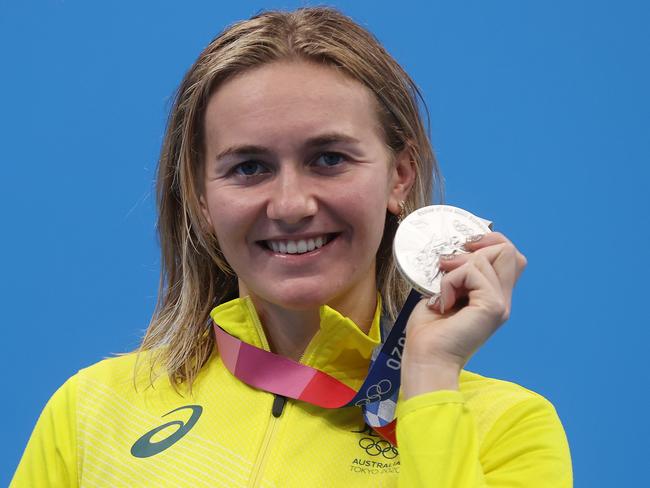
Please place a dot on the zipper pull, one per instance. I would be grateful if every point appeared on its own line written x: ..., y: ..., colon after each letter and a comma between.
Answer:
x: 278, y: 405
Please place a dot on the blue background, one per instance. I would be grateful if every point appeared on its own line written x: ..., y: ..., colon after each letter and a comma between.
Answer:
x: 540, y: 116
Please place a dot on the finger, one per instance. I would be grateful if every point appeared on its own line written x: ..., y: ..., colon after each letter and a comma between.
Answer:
x: 467, y: 280
x: 501, y: 296
x: 504, y: 258
x: 475, y: 243
x: 470, y: 280
x: 491, y: 239
x: 503, y: 266
x: 487, y: 282
x: 482, y: 262
x: 479, y: 241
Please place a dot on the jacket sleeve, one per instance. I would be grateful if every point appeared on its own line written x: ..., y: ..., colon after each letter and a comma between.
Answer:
x: 439, y: 446
x: 49, y: 459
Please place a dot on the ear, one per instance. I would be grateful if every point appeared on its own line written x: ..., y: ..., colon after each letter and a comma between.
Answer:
x: 403, y: 177
x: 204, y: 210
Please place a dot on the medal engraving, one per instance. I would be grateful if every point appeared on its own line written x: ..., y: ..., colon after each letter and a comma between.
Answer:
x: 426, y: 234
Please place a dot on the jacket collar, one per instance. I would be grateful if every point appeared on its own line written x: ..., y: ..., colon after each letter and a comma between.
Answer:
x: 339, y: 348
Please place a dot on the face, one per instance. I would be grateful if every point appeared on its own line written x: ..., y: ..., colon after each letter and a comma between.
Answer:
x: 297, y: 182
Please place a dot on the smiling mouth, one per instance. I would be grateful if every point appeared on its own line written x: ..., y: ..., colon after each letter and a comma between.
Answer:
x: 299, y: 246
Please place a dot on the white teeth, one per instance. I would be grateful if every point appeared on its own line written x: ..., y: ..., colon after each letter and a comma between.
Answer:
x: 297, y: 247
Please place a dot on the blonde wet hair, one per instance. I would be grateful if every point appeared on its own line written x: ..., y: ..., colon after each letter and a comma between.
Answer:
x: 195, y: 277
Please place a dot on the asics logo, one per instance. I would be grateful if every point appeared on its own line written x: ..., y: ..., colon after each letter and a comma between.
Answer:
x: 143, y: 447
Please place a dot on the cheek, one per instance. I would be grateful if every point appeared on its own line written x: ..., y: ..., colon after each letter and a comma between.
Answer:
x: 228, y: 218
x: 365, y: 204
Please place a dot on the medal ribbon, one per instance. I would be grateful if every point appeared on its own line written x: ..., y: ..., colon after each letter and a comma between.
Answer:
x: 273, y: 373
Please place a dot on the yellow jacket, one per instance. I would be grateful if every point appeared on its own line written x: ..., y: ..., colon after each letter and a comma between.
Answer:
x: 99, y: 430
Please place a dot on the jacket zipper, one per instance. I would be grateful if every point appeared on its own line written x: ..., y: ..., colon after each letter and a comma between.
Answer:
x: 272, y: 427
x: 278, y: 405
x: 269, y: 435
x: 277, y: 408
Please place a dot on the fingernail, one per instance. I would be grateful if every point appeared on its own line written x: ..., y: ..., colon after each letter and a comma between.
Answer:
x: 474, y: 238
x: 434, y: 301
x: 447, y: 257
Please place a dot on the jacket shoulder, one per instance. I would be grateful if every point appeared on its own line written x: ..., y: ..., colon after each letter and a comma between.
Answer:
x: 477, y: 387
x: 490, y: 398
x: 127, y: 373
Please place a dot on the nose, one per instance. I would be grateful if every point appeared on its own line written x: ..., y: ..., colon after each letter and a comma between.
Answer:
x: 292, y: 197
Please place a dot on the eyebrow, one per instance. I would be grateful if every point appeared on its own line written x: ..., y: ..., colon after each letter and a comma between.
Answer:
x: 317, y: 141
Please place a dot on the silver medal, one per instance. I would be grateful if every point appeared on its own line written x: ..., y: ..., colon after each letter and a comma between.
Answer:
x: 426, y: 234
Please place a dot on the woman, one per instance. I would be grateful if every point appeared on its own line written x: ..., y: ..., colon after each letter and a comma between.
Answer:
x: 293, y: 147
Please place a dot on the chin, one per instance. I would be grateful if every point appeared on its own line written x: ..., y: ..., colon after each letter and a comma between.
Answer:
x: 300, y: 300
x: 299, y: 296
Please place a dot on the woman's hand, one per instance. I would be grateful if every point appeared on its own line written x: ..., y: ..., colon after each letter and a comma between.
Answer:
x: 475, y: 299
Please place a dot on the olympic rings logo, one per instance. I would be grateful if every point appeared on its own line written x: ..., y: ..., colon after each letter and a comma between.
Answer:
x: 462, y: 228
x: 375, y: 447
x: 374, y: 392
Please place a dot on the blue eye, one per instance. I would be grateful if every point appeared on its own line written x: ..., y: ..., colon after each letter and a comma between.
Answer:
x: 249, y: 168
x: 329, y: 159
